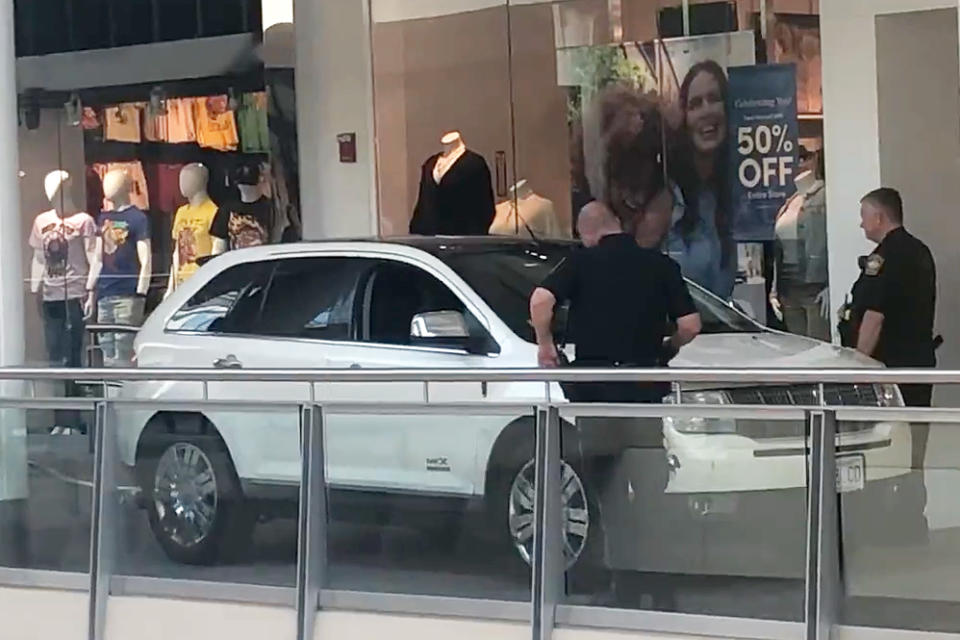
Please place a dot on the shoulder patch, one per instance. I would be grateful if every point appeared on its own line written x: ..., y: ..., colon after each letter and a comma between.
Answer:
x: 874, y: 265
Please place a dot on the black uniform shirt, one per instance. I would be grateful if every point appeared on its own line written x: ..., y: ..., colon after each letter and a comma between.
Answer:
x: 899, y: 280
x: 621, y: 298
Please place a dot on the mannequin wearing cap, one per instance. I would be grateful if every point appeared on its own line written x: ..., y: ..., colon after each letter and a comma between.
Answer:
x: 191, y: 226
x: 456, y: 192
x: 120, y: 275
x: 247, y: 221
x: 525, y: 214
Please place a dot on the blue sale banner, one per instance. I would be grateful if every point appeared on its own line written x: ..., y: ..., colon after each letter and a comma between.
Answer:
x: 763, y: 153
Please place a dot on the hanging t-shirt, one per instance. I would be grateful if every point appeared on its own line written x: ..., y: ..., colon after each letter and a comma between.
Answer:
x: 63, y: 242
x: 216, y: 125
x: 244, y: 224
x: 163, y: 187
x: 155, y: 128
x: 120, y: 231
x: 122, y: 123
x: 181, y: 122
x: 252, y: 123
x: 191, y: 232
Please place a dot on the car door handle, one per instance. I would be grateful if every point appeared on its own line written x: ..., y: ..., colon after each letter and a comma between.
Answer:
x: 228, y: 362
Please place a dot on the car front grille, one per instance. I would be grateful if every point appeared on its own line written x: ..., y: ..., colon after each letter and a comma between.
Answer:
x: 837, y: 395
x: 845, y: 395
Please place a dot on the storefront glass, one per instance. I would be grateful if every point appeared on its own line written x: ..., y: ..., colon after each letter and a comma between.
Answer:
x: 132, y: 175
x: 567, y: 102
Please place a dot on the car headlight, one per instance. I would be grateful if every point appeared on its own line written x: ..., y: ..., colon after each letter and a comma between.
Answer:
x: 889, y: 395
x: 693, y: 424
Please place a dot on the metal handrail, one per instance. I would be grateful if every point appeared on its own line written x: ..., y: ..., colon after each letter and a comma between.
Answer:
x: 690, y: 375
x: 821, y: 577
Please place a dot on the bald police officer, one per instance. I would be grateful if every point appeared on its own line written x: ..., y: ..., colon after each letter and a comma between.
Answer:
x: 622, y: 298
x: 893, y: 306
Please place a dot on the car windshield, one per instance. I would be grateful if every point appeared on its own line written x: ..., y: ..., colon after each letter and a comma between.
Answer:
x: 505, y: 276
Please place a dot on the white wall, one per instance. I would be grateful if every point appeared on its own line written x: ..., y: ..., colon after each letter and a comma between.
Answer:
x: 851, y: 129
x: 43, y: 614
x: 334, y: 95
x: 26, y: 616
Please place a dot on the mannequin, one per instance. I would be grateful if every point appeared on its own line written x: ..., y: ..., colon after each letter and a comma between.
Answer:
x: 191, y: 226
x: 246, y: 222
x: 120, y: 274
x: 800, y: 295
x: 63, y: 240
x: 525, y: 214
x: 456, y: 193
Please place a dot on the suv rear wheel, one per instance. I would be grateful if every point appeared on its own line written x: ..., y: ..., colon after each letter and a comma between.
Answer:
x: 194, y: 503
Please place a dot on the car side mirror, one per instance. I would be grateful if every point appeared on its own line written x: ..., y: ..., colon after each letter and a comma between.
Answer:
x: 447, y: 329
x: 439, y: 325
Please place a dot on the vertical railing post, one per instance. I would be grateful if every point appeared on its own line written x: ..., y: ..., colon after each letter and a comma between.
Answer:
x: 103, y: 550
x: 823, y: 527
x: 312, y: 529
x: 548, y: 562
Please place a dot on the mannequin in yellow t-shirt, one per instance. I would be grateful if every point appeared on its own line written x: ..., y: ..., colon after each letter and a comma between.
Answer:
x: 191, y: 225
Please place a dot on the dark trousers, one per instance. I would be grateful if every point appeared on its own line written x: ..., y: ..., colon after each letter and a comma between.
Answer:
x: 918, y: 395
x: 63, y: 329
x: 613, y: 392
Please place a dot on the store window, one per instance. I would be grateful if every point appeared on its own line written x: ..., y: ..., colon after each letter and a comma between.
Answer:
x: 706, y: 145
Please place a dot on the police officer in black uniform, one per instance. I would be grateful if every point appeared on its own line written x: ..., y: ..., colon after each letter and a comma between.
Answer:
x: 622, y: 298
x: 891, y: 315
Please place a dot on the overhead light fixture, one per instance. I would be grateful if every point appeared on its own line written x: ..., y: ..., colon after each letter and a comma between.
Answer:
x: 74, y: 109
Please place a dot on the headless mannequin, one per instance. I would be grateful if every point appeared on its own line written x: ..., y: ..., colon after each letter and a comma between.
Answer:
x: 788, y: 239
x: 525, y: 214
x: 116, y: 188
x: 193, y: 185
x: 453, y: 149
x: 56, y: 185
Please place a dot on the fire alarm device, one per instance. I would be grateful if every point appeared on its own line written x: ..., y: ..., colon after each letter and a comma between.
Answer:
x: 347, y: 142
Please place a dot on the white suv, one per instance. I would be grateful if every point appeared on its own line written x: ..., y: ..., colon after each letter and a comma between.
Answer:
x: 439, y: 302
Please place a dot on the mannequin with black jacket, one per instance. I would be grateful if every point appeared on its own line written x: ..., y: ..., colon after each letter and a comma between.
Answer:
x: 456, y: 193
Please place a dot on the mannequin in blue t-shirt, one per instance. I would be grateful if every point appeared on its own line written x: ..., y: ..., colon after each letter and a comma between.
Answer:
x: 120, y: 277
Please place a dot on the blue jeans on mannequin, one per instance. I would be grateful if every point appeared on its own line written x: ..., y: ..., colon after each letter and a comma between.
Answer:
x: 126, y: 310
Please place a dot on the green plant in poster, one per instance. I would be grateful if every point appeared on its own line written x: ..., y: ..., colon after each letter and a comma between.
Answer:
x: 596, y: 67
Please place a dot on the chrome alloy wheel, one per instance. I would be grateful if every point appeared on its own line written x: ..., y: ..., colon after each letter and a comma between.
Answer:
x: 185, y: 494
x: 575, y: 515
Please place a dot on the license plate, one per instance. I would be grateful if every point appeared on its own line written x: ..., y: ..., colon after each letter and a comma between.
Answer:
x: 851, y: 473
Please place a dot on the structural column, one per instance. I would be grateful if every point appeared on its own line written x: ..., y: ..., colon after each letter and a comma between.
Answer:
x: 334, y: 100
x: 13, y: 440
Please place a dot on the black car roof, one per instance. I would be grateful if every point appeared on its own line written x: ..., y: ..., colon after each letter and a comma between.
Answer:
x: 467, y: 244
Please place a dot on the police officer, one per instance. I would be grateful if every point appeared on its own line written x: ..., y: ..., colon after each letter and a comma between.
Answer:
x: 621, y: 298
x: 895, y: 297
x: 891, y: 315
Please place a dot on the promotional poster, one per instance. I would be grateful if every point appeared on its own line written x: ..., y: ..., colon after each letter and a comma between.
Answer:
x: 763, y: 123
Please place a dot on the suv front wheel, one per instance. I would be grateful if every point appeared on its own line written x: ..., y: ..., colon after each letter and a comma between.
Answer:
x: 194, y: 503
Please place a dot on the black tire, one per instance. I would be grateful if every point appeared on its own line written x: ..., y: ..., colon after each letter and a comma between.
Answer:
x: 510, y: 456
x: 230, y: 527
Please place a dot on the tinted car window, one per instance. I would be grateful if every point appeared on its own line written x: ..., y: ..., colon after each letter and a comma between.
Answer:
x: 312, y: 298
x: 229, y: 303
x: 396, y: 292
x: 505, y: 276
